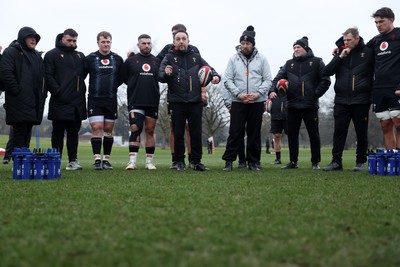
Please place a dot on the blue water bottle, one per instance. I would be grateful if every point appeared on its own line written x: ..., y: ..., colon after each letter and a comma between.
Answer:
x: 26, y: 170
x: 380, y: 165
x: 51, y: 164
x: 38, y: 165
x: 57, y: 163
x: 372, y: 164
x: 392, y: 166
x: 17, y: 164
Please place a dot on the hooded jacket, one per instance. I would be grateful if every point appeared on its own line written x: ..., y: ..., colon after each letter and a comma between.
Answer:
x: 354, y: 74
x: 306, y: 81
x: 257, y: 80
x: 23, y: 76
x: 66, y: 82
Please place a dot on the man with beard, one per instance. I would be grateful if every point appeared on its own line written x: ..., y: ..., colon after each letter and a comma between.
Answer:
x: 65, y: 79
x: 247, y: 78
x: 179, y: 69
x: 140, y: 73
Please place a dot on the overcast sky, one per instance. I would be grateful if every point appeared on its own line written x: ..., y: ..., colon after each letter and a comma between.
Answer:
x: 214, y: 26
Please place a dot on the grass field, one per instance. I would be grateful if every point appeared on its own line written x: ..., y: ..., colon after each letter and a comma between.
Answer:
x: 274, y: 217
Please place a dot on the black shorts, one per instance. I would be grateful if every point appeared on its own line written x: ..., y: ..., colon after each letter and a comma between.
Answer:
x: 103, y: 107
x: 151, y: 112
x: 384, y: 99
x: 278, y: 126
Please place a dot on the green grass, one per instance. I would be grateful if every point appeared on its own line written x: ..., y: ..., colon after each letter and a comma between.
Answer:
x: 166, y: 218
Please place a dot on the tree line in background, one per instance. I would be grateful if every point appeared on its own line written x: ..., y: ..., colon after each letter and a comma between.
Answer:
x: 216, y: 122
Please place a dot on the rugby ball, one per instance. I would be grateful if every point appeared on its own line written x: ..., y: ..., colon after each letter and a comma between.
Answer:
x: 283, y: 85
x: 268, y: 105
x: 205, y: 75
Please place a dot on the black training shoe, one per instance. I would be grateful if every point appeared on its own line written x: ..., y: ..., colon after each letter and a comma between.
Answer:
x: 200, y: 167
x: 291, y: 165
x: 333, y: 166
x: 359, y: 167
x: 192, y: 165
x: 106, y: 165
x: 253, y: 167
x: 174, y: 165
x: 180, y: 166
x: 228, y: 166
x: 97, y: 165
x: 277, y: 161
x: 242, y: 165
x: 315, y: 166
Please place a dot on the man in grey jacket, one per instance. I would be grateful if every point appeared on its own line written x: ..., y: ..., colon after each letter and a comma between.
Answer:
x: 247, y: 78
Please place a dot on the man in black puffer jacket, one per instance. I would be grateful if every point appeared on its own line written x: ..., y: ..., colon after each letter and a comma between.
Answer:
x: 180, y: 70
x: 23, y: 75
x: 66, y: 82
x: 353, y: 67
x: 306, y: 85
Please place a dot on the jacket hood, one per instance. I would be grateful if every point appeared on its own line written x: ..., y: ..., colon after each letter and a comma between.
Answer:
x: 59, y: 44
x: 25, y: 32
x: 340, y: 43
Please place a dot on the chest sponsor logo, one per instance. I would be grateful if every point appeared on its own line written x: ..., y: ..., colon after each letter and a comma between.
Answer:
x: 146, y: 67
x: 105, y: 62
x: 383, y: 46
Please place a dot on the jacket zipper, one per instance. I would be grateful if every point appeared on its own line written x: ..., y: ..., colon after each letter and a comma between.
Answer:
x: 43, y: 84
x: 77, y: 85
x: 302, y: 88
x: 247, y: 76
x: 353, y: 82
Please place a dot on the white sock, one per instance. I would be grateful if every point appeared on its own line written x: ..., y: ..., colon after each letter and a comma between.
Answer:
x: 149, y: 157
x: 133, y: 157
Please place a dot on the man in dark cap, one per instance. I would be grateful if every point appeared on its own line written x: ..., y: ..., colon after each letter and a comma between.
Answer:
x: 247, y: 78
x: 306, y: 86
x: 22, y: 72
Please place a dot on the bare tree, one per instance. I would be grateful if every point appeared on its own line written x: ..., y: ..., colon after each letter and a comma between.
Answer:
x: 215, y: 115
x: 163, y: 121
x: 122, y: 127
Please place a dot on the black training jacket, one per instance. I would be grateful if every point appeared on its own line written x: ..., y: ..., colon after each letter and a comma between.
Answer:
x: 66, y: 82
x: 184, y: 84
x: 354, y: 74
x: 23, y: 76
x: 306, y: 81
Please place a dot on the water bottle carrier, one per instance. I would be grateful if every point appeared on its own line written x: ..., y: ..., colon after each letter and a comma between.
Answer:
x: 39, y: 164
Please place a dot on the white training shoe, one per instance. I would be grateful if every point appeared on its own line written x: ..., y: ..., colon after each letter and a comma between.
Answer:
x: 73, y: 166
x: 150, y: 166
x: 131, y: 166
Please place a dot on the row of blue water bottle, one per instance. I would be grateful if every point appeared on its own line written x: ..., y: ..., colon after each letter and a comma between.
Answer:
x: 384, y: 162
x: 38, y: 164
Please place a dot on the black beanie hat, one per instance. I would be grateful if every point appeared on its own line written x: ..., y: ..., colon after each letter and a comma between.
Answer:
x: 303, y: 42
x: 248, y: 35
